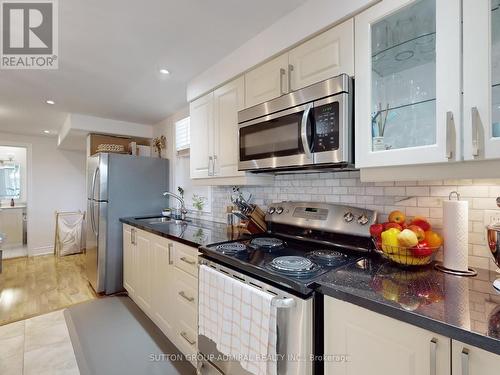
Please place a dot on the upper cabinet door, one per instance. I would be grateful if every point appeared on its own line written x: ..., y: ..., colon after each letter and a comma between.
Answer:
x: 327, y: 55
x: 407, y: 102
x: 481, y: 64
x: 202, y: 128
x: 228, y: 100
x: 267, y: 81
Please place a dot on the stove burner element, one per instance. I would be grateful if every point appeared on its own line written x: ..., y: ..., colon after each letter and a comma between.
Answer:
x: 326, y: 256
x: 267, y: 242
x: 230, y: 248
x: 295, y: 266
x: 292, y: 263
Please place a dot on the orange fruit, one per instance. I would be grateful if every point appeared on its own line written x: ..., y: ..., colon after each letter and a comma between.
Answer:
x: 433, y: 238
x: 397, y: 217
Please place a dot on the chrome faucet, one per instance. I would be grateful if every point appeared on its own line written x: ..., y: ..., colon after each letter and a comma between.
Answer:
x: 181, y: 201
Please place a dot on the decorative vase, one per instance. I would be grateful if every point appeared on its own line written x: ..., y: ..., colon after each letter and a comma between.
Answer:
x: 378, y: 144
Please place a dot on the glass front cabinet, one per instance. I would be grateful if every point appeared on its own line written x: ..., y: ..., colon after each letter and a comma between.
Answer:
x: 408, y: 83
x: 481, y: 79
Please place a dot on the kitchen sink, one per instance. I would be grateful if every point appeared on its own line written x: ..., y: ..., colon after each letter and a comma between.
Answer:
x: 161, y: 220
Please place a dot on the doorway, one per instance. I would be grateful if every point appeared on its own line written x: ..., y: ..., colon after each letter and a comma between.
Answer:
x: 14, y: 193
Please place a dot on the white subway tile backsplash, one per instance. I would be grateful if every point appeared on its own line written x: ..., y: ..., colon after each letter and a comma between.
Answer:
x: 418, y: 191
x: 401, y: 191
x: 473, y: 191
x: 422, y: 198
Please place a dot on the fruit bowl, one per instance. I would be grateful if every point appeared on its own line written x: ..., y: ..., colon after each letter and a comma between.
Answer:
x: 416, y: 256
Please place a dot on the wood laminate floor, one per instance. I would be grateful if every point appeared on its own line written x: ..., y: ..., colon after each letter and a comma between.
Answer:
x: 32, y: 286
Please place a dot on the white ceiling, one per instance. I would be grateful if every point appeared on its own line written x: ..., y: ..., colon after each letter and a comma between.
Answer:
x: 110, y: 53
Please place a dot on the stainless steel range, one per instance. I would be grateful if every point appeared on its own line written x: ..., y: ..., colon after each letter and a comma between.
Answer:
x: 304, y: 241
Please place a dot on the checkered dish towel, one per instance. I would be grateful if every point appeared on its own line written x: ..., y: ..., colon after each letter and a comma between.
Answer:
x: 240, y: 319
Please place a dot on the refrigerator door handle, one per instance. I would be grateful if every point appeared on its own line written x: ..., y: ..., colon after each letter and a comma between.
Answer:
x: 94, y: 179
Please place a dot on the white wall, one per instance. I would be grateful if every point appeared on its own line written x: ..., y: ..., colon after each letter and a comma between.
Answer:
x: 19, y: 155
x: 179, y: 165
x: 56, y: 181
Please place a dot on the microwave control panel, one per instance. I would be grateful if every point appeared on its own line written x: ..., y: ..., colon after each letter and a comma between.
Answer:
x: 326, y: 119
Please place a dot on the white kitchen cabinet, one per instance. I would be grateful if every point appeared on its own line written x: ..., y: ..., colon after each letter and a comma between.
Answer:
x: 379, y: 345
x: 469, y: 360
x: 481, y: 79
x: 202, y: 135
x: 162, y: 279
x: 214, y: 152
x: 161, y: 276
x: 129, y: 259
x: 324, y: 56
x: 408, y: 83
x: 143, y: 265
x: 268, y: 81
x: 228, y: 100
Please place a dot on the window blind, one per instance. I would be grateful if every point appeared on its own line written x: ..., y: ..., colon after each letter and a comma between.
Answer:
x: 182, y: 134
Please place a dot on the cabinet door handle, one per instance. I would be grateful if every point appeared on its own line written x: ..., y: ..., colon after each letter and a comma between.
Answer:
x: 465, y: 361
x: 210, y: 162
x: 433, y: 350
x: 215, y: 166
x: 476, y: 131
x: 282, y: 74
x: 132, y: 236
x: 290, y: 70
x: 170, y: 247
x: 450, y: 135
x: 185, y: 337
x: 183, y: 295
x: 186, y: 260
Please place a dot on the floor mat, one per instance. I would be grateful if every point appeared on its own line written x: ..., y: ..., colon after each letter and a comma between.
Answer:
x: 113, y: 336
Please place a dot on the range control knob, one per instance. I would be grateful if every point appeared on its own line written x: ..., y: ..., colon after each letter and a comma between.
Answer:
x: 279, y: 210
x: 363, y: 219
x: 271, y: 210
x: 348, y: 217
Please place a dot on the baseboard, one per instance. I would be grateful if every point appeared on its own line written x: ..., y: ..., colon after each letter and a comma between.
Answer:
x: 42, y: 250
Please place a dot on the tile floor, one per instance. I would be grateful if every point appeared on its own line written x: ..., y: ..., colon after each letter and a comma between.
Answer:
x: 32, y: 286
x: 37, y: 346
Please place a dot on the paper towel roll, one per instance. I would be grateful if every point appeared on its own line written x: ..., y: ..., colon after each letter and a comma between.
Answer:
x: 456, y: 235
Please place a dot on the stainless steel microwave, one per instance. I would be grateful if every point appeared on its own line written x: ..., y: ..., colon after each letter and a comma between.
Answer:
x: 311, y: 128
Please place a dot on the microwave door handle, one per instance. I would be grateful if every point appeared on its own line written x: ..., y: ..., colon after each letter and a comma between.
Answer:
x: 303, y: 130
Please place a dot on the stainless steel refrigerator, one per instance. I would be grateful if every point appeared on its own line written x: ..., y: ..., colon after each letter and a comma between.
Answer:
x: 118, y: 186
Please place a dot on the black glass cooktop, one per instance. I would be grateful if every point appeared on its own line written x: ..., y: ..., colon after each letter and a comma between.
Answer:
x: 292, y: 263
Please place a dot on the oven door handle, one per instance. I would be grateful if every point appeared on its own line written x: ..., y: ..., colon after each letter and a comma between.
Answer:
x: 303, y: 130
x: 283, y: 303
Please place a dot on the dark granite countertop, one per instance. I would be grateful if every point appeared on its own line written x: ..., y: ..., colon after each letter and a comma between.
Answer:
x: 194, y: 233
x: 462, y: 308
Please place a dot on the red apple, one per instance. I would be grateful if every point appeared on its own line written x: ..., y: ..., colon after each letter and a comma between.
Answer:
x: 418, y: 231
x: 421, y: 250
x: 392, y: 225
x: 421, y: 222
x: 376, y: 230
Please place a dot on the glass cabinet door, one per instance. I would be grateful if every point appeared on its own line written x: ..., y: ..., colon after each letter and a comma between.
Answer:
x: 404, y: 78
x: 481, y: 63
x: 408, y: 84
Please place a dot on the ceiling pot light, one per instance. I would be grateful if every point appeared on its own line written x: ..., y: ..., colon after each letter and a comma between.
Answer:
x: 46, y: 131
x: 51, y: 102
x: 164, y: 71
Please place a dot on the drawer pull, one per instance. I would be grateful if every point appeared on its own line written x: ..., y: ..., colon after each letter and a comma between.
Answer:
x: 185, y: 337
x: 465, y: 361
x: 186, y: 260
x: 433, y: 351
x: 183, y: 295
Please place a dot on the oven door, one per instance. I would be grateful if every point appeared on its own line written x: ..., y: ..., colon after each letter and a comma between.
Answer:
x: 294, y: 333
x: 279, y: 140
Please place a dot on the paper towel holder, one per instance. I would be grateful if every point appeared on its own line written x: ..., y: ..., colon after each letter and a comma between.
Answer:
x: 440, y: 267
